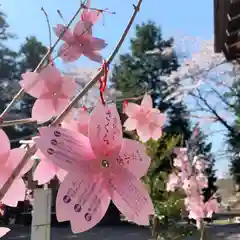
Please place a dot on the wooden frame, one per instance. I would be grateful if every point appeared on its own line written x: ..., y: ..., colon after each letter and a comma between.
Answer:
x: 227, y: 28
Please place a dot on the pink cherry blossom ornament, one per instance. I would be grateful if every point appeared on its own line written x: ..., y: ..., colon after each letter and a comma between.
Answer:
x: 100, y: 167
x: 52, y: 90
x: 80, y: 42
x: 148, y: 121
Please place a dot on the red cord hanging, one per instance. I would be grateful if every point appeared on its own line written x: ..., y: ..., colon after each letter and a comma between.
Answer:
x: 103, y: 81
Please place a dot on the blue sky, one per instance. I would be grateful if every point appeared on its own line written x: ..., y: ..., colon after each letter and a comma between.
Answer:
x: 177, y: 18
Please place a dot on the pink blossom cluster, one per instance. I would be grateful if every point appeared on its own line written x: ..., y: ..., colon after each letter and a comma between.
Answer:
x: 190, y: 177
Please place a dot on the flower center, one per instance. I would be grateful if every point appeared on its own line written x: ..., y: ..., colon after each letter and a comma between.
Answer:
x: 105, y: 164
x: 54, y: 94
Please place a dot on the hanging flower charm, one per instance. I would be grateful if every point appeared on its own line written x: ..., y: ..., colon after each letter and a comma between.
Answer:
x: 80, y: 41
x: 52, y: 90
x: 101, y: 167
x: 148, y: 121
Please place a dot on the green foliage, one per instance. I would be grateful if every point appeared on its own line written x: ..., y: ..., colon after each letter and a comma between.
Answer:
x: 31, y: 52
x: 234, y: 149
x: 233, y: 137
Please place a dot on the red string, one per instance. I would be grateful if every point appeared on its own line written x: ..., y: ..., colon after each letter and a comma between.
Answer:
x: 103, y: 81
x: 84, y: 108
x: 125, y: 103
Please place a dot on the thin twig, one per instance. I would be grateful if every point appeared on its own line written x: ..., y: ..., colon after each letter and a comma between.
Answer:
x: 17, y: 122
x: 20, y: 94
x: 32, y: 150
x: 49, y: 27
x: 22, y: 139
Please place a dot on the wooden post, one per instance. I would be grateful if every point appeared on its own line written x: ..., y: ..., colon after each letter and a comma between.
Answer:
x: 41, y: 215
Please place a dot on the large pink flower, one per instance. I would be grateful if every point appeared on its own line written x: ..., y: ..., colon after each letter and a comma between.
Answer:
x: 148, y: 121
x: 100, y: 167
x: 9, y: 159
x: 52, y: 90
x: 80, y: 41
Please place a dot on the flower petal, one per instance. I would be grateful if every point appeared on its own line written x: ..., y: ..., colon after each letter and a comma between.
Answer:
x: 133, y: 157
x: 4, y: 231
x: 43, y: 110
x: 5, y: 147
x: 33, y: 84
x: 97, y: 43
x: 52, y: 77
x: 61, y: 174
x: 44, y: 172
x: 76, y: 126
x: 15, y: 193
x: 61, y: 104
x: 90, y: 16
x: 69, y: 87
x: 157, y: 117
x: 147, y: 102
x: 15, y: 157
x: 130, y: 124
x: 105, y: 130
x: 80, y: 124
x: 66, y: 149
x: 156, y: 133
x: 144, y: 132
x: 83, y: 200
x: 82, y: 29
x: 67, y: 36
x: 93, y: 55
x: 130, y: 197
x: 69, y: 53
x: 131, y: 109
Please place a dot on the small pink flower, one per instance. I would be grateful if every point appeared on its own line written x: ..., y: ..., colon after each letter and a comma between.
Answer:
x: 173, y: 182
x: 9, y: 159
x: 148, y: 121
x: 199, y: 163
x: 101, y: 167
x: 202, y: 180
x: 211, y: 206
x: 80, y: 41
x: 52, y: 90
